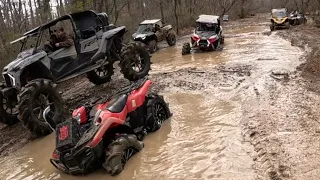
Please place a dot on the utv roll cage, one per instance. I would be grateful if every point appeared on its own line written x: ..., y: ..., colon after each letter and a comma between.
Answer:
x: 93, y: 23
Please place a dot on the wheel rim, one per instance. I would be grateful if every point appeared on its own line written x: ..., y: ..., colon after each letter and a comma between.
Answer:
x: 173, y: 39
x: 9, y: 110
x: 126, y: 155
x: 159, y: 114
x: 102, y: 71
x: 138, y: 63
x: 154, y: 48
x: 40, y: 103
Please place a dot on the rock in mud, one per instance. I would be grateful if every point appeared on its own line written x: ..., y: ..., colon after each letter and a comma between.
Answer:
x: 280, y: 74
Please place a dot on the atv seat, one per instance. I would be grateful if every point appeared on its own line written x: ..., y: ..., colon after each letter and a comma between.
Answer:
x: 117, y: 104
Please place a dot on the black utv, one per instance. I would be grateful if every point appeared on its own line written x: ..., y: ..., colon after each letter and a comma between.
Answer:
x: 150, y: 32
x: 30, y: 80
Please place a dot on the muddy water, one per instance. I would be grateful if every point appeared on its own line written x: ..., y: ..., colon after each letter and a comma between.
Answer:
x: 201, y: 141
x: 246, y: 44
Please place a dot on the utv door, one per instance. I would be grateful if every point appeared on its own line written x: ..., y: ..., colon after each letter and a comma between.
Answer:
x: 63, y: 61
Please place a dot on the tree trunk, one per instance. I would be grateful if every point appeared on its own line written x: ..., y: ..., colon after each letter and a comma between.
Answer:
x: 32, y: 23
x: 2, y: 24
x: 176, y: 16
x: 12, y: 19
x: 26, y: 21
x: 142, y: 8
x: 115, y: 11
x: 61, y: 8
x: 46, y: 11
x: 161, y: 10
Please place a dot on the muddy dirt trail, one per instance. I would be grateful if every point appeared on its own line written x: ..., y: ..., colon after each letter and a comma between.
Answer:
x: 240, y: 113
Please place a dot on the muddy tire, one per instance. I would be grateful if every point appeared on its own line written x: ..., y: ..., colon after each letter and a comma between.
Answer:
x: 222, y: 40
x: 152, y: 46
x: 216, y: 44
x: 186, y: 49
x: 101, y: 75
x: 287, y: 25
x: 120, y: 151
x: 7, y: 117
x: 157, y: 112
x: 135, y: 63
x: 34, y: 98
x: 272, y: 28
x: 171, y: 39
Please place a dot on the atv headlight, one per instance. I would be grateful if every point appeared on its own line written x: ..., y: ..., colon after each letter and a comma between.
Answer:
x: 78, y: 118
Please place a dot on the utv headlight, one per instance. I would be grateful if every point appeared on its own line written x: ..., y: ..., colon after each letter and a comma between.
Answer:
x: 13, y: 80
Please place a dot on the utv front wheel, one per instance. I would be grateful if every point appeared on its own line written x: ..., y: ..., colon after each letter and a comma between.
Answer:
x: 171, y: 39
x: 287, y: 25
x: 8, y: 114
x: 222, y: 40
x: 120, y: 151
x: 272, y: 27
x: 152, y: 46
x: 101, y: 75
x: 34, y: 98
x: 135, y: 63
x: 186, y: 49
x: 157, y: 112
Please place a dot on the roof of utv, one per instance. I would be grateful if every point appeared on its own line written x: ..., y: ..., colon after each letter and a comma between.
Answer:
x: 279, y: 10
x: 152, y: 21
x: 208, y: 19
x: 53, y: 22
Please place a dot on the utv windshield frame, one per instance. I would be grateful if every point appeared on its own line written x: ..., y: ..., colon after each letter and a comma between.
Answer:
x: 202, y: 27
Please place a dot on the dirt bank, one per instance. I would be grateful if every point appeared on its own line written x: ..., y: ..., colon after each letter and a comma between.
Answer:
x: 307, y: 37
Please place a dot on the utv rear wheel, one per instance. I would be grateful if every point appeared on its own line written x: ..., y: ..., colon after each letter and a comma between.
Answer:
x: 135, y: 63
x: 186, y: 49
x: 34, y: 98
x: 120, y: 151
x: 171, y: 39
x: 152, y: 46
x: 101, y: 75
x: 8, y: 114
x: 157, y: 112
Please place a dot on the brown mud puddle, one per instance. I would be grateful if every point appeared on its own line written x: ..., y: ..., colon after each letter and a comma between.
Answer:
x: 201, y: 141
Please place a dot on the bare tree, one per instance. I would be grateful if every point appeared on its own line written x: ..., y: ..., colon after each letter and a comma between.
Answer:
x: 161, y: 9
x: 226, y: 5
x: 31, y: 14
x: 176, y: 15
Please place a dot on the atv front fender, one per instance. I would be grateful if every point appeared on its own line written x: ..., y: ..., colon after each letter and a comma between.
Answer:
x: 104, y: 126
x: 106, y: 42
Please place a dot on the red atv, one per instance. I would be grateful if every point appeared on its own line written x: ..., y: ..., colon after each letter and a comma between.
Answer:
x: 112, y: 135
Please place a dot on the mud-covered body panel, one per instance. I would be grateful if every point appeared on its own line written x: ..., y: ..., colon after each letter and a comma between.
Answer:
x: 158, y: 36
x: 14, y: 69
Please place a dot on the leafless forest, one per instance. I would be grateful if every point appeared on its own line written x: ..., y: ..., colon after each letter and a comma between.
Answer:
x: 18, y: 16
